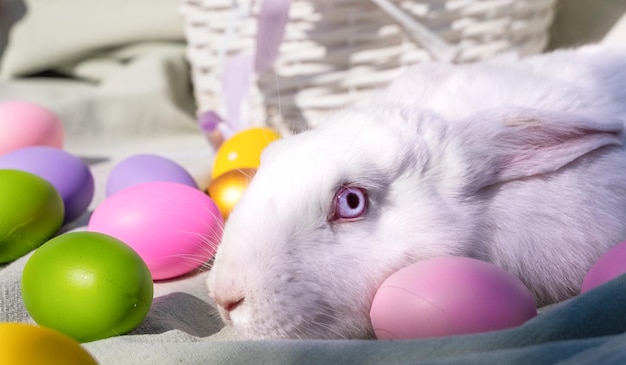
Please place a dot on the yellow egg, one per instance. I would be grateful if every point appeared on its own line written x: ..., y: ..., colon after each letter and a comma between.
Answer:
x: 227, y: 189
x: 27, y: 344
x: 243, y: 150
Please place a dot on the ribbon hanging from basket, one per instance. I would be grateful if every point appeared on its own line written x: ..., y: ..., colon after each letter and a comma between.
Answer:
x: 239, y: 70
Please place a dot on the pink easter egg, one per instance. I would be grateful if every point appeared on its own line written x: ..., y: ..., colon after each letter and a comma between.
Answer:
x: 609, y: 266
x: 24, y: 124
x: 447, y: 296
x: 173, y: 227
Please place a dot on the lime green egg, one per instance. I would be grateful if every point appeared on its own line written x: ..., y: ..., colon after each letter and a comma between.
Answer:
x: 87, y: 285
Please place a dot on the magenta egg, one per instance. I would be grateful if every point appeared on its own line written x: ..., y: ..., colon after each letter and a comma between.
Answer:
x: 447, y: 296
x: 71, y: 177
x: 24, y: 124
x: 143, y: 168
x: 173, y: 227
x: 609, y: 266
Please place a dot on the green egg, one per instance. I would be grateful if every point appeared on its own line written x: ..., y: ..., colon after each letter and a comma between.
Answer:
x: 31, y: 211
x: 87, y: 285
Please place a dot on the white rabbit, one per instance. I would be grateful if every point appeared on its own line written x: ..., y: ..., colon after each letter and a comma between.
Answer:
x: 516, y: 162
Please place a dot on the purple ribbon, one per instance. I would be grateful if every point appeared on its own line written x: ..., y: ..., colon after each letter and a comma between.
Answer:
x: 273, y: 18
x: 238, y: 70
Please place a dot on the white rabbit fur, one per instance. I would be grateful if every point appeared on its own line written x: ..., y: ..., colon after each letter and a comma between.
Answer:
x: 516, y: 162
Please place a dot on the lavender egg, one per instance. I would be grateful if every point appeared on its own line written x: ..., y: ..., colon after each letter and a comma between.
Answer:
x: 71, y: 177
x: 143, y: 168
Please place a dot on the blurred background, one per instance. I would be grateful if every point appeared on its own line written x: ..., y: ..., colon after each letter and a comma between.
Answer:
x: 588, y: 21
x: 135, y: 74
x: 130, y: 66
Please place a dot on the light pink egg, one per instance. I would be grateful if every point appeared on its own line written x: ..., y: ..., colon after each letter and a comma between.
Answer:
x: 173, y: 227
x: 449, y: 296
x: 24, y: 124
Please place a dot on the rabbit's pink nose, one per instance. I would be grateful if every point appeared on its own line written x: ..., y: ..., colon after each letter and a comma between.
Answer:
x: 229, y: 302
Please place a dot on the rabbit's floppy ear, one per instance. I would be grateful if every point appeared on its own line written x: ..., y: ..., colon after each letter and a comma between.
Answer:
x: 514, y: 143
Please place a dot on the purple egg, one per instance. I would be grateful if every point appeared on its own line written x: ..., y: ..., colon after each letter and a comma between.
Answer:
x: 142, y: 168
x: 67, y: 173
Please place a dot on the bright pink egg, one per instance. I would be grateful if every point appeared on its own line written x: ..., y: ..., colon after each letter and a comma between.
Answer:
x: 24, y: 124
x: 449, y: 296
x: 173, y: 227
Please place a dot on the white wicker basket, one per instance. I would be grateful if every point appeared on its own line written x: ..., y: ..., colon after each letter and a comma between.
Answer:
x: 336, y: 52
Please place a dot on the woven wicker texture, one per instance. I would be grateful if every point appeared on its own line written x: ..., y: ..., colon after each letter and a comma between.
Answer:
x: 338, y: 52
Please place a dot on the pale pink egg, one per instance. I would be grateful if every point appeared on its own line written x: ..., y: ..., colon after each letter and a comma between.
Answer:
x: 24, y: 124
x: 449, y: 296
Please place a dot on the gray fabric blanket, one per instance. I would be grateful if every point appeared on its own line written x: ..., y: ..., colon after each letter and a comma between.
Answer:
x: 182, y: 327
x: 126, y: 90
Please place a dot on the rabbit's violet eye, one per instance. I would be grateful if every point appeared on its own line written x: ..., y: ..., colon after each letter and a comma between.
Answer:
x: 350, y: 203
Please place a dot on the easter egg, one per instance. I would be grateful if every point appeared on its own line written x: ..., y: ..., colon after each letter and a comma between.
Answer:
x: 31, y: 211
x: 87, y: 285
x: 143, y: 168
x: 23, y: 344
x: 173, y: 227
x: 226, y: 190
x: 449, y: 296
x: 67, y: 173
x: 24, y: 124
x: 609, y: 266
x: 243, y: 150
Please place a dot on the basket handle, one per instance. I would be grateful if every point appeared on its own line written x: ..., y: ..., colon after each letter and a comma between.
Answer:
x: 438, y: 48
